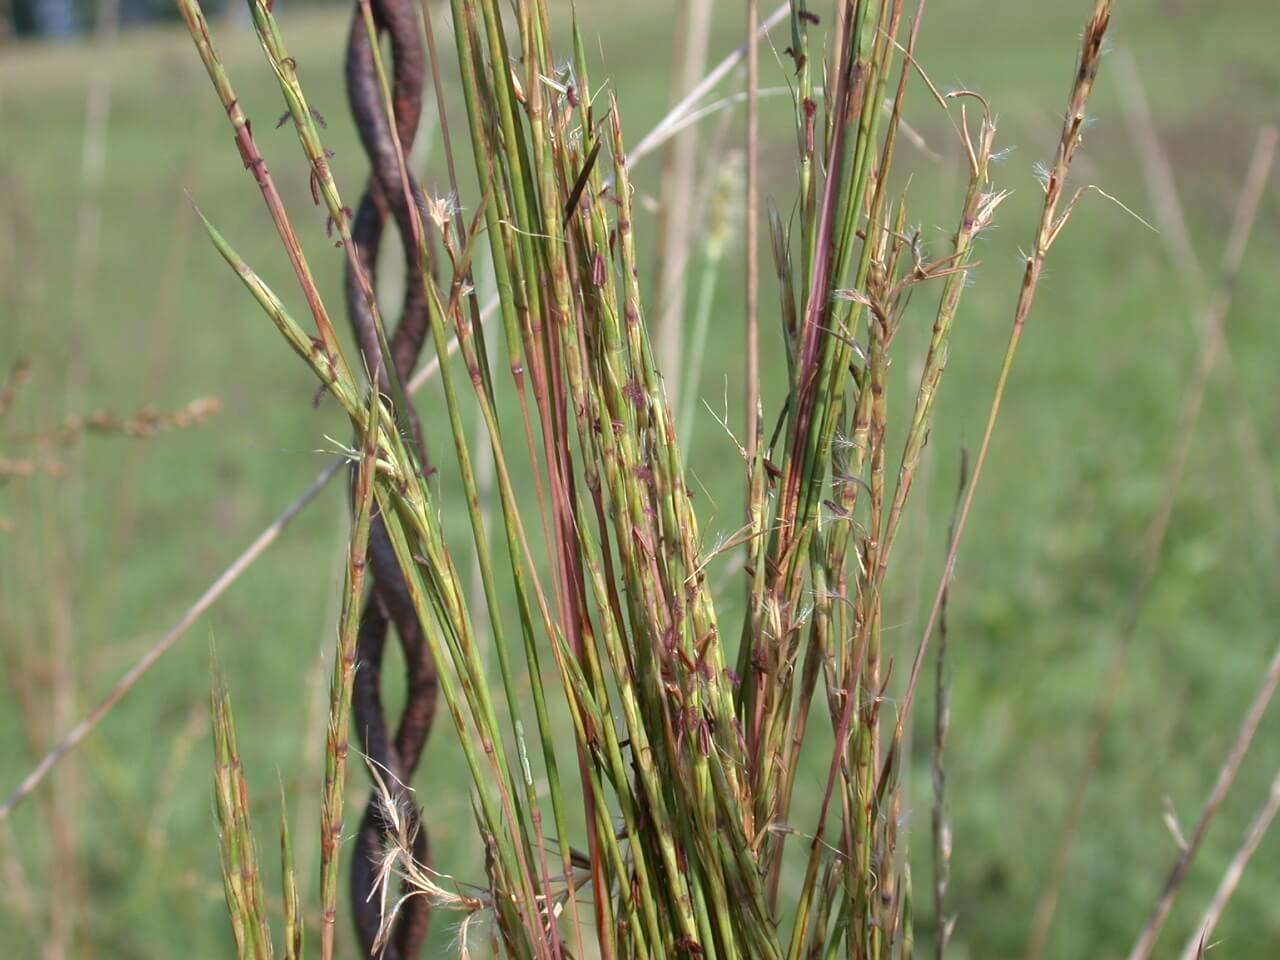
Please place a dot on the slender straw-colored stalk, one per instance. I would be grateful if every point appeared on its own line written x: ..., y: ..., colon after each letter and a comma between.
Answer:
x: 77, y: 734
x: 1212, y: 338
x: 678, y: 212
x: 1201, y: 940
x: 1226, y: 777
x: 675, y: 117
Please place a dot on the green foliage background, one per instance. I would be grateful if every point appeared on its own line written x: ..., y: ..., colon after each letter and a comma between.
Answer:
x: 114, y: 552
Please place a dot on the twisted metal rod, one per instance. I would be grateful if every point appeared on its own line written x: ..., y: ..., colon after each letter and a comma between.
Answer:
x: 389, y: 603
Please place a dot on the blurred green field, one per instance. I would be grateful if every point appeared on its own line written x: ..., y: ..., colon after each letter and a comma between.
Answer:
x: 100, y: 561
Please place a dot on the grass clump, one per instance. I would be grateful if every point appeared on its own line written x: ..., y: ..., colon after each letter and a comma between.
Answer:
x: 690, y: 713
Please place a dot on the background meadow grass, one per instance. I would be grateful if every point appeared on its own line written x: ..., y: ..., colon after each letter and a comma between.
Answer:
x: 101, y: 561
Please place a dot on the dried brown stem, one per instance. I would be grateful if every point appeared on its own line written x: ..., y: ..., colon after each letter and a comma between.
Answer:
x: 1258, y: 828
x: 1226, y: 776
